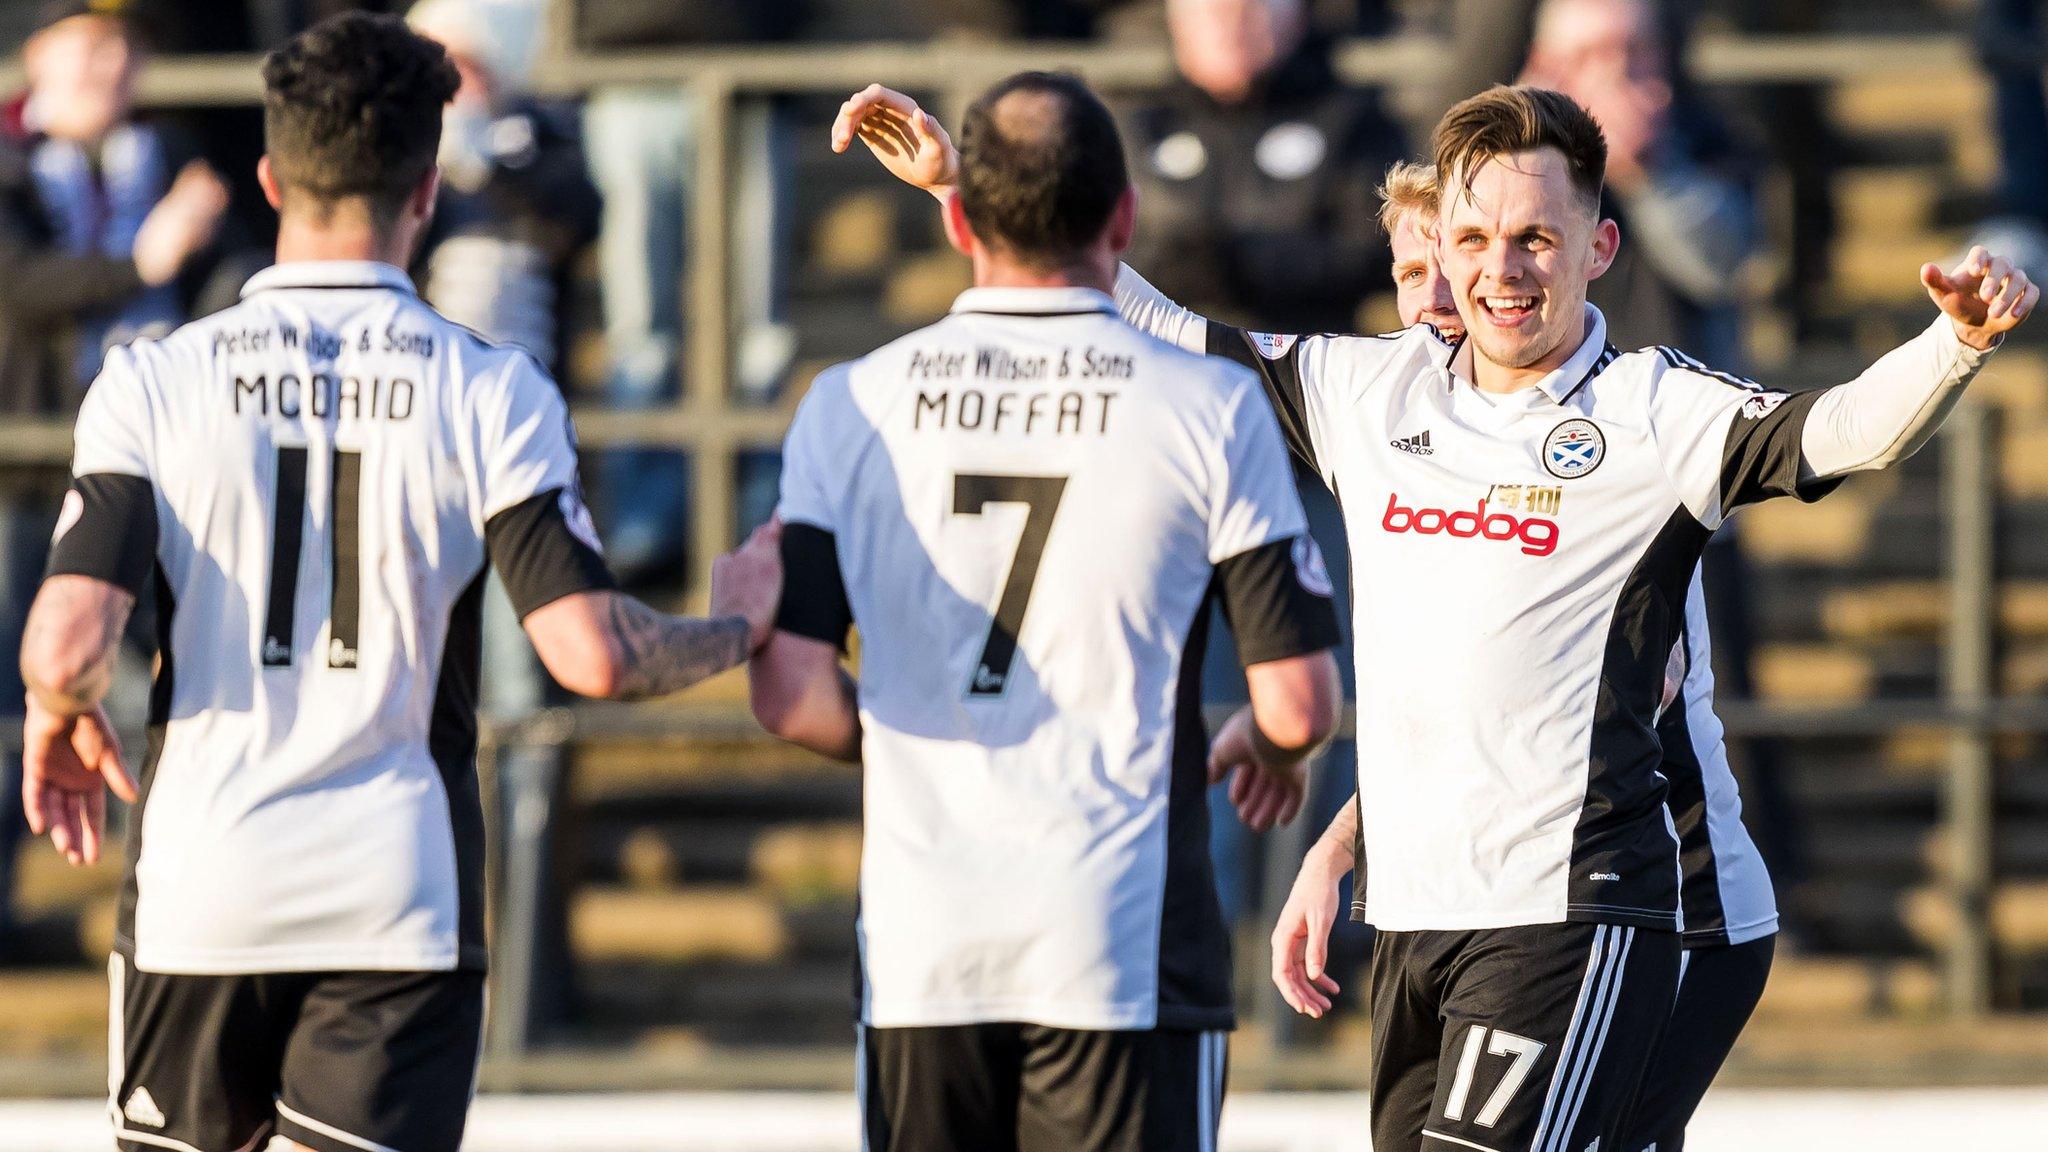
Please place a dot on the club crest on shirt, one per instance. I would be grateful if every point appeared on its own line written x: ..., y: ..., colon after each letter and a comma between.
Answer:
x: 1310, y: 569
x: 1763, y: 404
x: 1573, y: 449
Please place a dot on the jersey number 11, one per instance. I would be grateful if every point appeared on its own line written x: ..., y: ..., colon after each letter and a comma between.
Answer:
x: 344, y: 534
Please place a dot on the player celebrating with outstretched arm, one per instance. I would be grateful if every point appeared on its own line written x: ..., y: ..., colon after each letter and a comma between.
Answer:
x: 1731, y: 912
x: 315, y: 482
x: 1521, y: 611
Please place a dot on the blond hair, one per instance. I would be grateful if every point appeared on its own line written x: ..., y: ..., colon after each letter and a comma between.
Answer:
x: 1409, y: 187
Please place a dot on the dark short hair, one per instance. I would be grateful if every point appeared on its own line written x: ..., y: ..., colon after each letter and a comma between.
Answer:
x: 1504, y: 119
x: 1041, y: 167
x: 352, y: 109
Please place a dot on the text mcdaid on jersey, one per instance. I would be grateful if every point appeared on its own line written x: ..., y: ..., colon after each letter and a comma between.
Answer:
x: 324, y: 391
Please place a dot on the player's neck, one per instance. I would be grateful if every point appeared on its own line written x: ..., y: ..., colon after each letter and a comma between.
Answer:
x: 301, y: 241
x: 1488, y: 375
x: 992, y: 272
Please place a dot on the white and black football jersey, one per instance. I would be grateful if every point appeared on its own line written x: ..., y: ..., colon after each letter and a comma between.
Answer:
x: 1725, y: 891
x: 1523, y: 565
x: 308, y: 481
x: 1025, y: 510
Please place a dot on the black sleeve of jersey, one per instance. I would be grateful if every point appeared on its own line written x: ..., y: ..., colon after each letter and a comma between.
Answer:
x: 114, y: 537
x: 1762, y: 455
x: 540, y: 557
x: 1282, y: 381
x: 1271, y: 612
x: 813, y: 589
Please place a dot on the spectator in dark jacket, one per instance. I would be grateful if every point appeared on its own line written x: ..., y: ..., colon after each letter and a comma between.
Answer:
x: 517, y: 203
x: 1675, y: 183
x: 98, y: 218
x: 1257, y: 171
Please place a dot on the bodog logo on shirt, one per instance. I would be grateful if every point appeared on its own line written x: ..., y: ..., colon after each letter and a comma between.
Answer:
x: 1537, y: 535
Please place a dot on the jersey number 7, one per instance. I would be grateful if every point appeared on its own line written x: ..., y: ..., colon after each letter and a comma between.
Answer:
x: 344, y: 524
x: 1040, y: 495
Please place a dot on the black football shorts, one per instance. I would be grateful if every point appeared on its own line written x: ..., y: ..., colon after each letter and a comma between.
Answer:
x: 336, y: 1061
x: 1524, y: 1039
x: 1028, y: 1088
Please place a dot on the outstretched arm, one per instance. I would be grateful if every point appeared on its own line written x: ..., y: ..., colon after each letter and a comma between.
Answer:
x: 1893, y: 409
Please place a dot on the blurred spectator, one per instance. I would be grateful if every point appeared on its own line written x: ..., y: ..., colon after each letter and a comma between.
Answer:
x: 516, y: 207
x: 875, y: 20
x: 642, y: 144
x: 1256, y: 171
x: 517, y: 203
x: 1678, y: 187
x: 99, y: 217
x: 2009, y: 43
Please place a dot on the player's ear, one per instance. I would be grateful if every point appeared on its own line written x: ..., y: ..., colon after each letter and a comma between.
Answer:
x: 267, y: 178
x: 423, y: 197
x: 958, y: 232
x: 1123, y: 221
x: 1606, y: 243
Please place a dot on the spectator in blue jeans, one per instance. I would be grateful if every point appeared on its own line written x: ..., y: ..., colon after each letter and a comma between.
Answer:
x: 2010, y: 46
x: 642, y: 145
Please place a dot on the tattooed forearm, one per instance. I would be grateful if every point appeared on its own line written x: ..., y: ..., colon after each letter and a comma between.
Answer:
x: 1342, y: 833
x: 660, y: 654
x: 72, y: 640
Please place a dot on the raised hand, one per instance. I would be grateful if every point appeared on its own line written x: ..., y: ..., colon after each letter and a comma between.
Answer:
x: 748, y: 582
x: 1264, y: 795
x: 68, y: 764
x: 1986, y: 296
x: 908, y: 141
x: 1301, y: 939
x: 181, y: 225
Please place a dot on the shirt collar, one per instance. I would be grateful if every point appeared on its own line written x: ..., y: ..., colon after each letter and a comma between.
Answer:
x: 1592, y: 355
x: 360, y: 274
x: 1034, y: 301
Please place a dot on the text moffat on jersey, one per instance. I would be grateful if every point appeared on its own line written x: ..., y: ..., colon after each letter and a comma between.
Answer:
x: 1524, y: 566
x: 1031, y: 503
x: 324, y: 459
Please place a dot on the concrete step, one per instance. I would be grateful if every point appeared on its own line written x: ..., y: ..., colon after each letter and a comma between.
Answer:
x: 723, y: 1001
x: 2019, y: 917
x: 706, y: 923
x: 695, y: 924
x: 797, y: 860
x: 1806, y: 988
x: 54, y: 1011
x: 1919, y: 610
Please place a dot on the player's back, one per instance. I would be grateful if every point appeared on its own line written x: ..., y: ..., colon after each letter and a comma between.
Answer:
x: 324, y: 457
x: 1029, y: 502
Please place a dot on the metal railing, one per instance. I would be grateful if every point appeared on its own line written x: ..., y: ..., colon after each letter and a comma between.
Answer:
x: 707, y: 423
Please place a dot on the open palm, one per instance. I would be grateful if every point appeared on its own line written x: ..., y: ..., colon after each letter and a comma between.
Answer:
x: 908, y: 141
